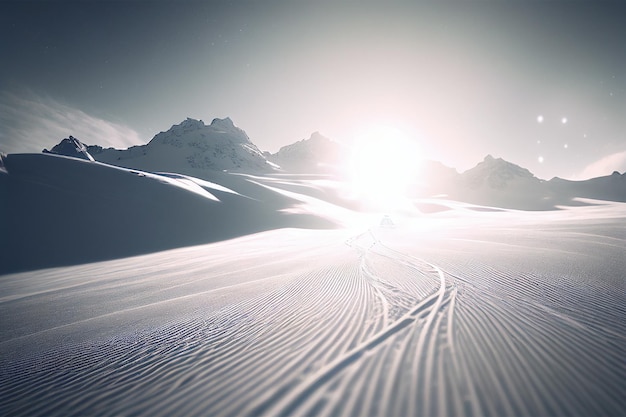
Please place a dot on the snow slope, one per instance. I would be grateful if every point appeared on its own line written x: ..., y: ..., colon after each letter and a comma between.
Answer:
x: 468, y: 310
x: 59, y: 211
x: 456, y: 313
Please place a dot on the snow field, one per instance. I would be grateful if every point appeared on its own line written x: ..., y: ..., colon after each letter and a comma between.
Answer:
x: 458, y: 313
x: 276, y: 336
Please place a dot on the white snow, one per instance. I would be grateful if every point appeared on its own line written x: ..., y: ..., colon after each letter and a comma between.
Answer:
x: 460, y: 312
x: 170, y: 289
x: 66, y: 210
x: 385, y: 171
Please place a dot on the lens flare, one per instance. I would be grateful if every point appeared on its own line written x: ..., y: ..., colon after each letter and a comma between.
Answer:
x: 383, y: 166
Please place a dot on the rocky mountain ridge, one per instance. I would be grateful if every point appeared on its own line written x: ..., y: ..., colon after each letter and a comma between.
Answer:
x: 193, y: 148
x: 315, y: 154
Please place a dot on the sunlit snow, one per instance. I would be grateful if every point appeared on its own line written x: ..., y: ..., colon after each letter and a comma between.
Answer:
x: 460, y: 313
x: 128, y: 291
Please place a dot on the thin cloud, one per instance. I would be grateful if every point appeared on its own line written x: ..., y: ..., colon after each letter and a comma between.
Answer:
x: 605, y: 166
x: 31, y: 123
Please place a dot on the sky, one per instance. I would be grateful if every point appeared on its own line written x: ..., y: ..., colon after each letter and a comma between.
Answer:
x: 539, y: 83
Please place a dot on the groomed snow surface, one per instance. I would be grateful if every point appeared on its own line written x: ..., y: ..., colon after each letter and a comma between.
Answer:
x: 459, y: 312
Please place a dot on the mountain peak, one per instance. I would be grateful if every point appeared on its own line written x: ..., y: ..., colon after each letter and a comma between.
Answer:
x: 227, y: 122
x: 71, y: 147
x: 189, y: 122
x: 490, y: 160
x: 317, y: 135
x: 183, y: 132
x: 191, y: 145
x: 496, y: 173
x: 226, y: 126
x: 317, y: 153
x: 315, y: 143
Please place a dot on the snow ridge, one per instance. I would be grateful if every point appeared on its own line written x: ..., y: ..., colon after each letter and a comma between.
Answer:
x: 192, y: 146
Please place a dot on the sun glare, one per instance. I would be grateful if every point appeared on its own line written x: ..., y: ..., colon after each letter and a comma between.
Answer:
x: 383, y: 165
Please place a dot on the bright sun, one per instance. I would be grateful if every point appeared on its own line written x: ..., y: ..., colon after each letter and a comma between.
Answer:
x: 382, y: 166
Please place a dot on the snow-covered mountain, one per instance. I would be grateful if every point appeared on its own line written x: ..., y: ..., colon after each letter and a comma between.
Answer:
x: 496, y: 182
x: 313, y: 155
x: 610, y: 187
x: 71, y: 147
x: 499, y: 183
x: 496, y: 173
x: 191, y: 147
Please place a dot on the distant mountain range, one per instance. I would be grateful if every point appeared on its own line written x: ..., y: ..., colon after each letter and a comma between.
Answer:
x: 196, y: 184
x: 496, y: 182
x: 194, y: 148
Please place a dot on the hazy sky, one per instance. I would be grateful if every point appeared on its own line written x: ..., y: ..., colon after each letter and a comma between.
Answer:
x: 539, y: 83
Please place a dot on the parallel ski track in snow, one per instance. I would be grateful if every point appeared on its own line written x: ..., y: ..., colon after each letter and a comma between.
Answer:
x: 411, y: 342
x: 246, y: 359
x: 525, y: 358
x: 486, y: 342
x: 220, y: 365
x: 369, y: 331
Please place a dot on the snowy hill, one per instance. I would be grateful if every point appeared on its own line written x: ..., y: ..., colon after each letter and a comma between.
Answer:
x: 464, y: 311
x: 461, y: 314
x: 58, y: 210
x: 191, y: 147
x: 313, y: 155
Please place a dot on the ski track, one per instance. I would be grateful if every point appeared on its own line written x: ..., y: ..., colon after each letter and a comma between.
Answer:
x: 421, y: 326
x: 375, y: 332
x: 223, y: 365
x: 492, y: 350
